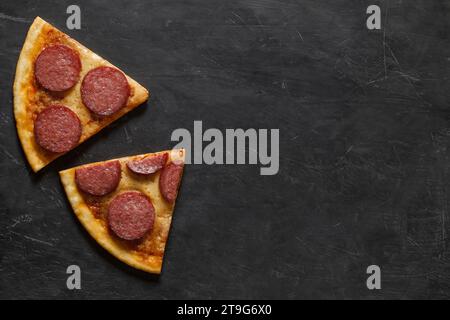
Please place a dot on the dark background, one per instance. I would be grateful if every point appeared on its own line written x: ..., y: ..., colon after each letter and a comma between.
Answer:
x: 364, y: 150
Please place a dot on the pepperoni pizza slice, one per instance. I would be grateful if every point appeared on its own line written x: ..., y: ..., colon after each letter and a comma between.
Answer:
x: 126, y: 204
x: 64, y: 94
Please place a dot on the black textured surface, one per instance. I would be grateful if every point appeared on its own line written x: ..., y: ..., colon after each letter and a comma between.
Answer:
x: 364, y: 150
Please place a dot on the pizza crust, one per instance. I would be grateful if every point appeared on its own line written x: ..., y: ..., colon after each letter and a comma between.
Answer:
x: 99, y: 230
x: 30, y: 99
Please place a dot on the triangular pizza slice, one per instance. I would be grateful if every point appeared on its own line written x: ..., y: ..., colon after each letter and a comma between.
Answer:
x: 126, y: 204
x: 64, y: 94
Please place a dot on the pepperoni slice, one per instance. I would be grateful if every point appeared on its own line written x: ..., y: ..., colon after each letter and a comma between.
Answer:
x: 104, y: 91
x: 57, y: 68
x: 131, y: 215
x: 169, y: 181
x: 148, y: 165
x: 99, y: 179
x: 57, y: 129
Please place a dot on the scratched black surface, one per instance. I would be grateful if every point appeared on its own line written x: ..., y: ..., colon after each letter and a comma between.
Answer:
x: 364, y: 150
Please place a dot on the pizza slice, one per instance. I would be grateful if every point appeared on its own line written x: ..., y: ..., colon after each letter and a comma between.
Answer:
x: 64, y: 94
x: 126, y: 204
